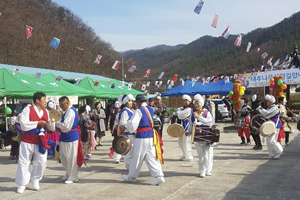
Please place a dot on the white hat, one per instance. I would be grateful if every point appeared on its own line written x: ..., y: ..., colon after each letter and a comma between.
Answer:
x: 199, y: 98
x: 187, y: 97
x: 270, y: 98
x: 254, y: 97
x: 117, y: 104
x: 87, y: 108
x: 129, y: 97
x: 158, y: 97
x: 120, y: 98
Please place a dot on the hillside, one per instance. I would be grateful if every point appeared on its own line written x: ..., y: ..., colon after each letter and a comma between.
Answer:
x: 214, y: 56
x: 50, y: 20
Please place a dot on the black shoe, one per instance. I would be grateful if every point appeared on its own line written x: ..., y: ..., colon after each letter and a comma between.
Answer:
x: 259, y: 147
x: 286, y: 144
x: 243, y: 142
x: 255, y: 147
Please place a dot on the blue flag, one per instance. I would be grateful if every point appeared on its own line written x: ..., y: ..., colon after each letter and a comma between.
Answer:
x: 55, y: 42
x: 199, y: 7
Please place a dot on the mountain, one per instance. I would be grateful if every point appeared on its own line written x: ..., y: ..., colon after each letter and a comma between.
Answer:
x: 49, y: 20
x: 215, y: 56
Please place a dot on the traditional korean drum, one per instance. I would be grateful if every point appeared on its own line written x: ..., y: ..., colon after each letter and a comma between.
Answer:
x: 265, y: 126
x: 205, y: 134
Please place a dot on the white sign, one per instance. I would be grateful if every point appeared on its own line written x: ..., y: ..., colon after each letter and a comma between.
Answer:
x: 262, y: 79
x: 73, y: 99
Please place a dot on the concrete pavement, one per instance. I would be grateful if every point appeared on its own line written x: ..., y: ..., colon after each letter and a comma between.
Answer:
x: 239, y: 172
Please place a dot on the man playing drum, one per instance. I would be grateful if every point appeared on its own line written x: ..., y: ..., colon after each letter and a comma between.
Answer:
x: 185, y: 141
x: 272, y: 112
x: 204, y: 149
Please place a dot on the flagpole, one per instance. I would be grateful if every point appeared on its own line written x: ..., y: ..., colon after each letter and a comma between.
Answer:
x: 122, y: 70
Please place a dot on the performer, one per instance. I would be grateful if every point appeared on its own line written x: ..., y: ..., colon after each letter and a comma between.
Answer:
x: 185, y: 141
x: 202, y: 117
x: 52, y: 135
x: 272, y: 113
x: 284, y: 119
x: 209, y: 105
x: 125, y: 115
x: 32, y: 120
x: 113, y: 126
x: 253, y: 132
x: 144, y: 149
x: 69, y: 137
x: 87, y: 127
x: 160, y: 110
x: 244, y: 113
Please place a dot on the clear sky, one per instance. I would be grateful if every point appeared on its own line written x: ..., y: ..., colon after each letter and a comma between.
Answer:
x: 137, y: 24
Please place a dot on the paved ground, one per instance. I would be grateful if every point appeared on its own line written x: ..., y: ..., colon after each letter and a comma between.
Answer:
x: 238, y: 173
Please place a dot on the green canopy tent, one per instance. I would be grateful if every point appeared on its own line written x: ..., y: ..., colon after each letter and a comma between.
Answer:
x: 24, y: 86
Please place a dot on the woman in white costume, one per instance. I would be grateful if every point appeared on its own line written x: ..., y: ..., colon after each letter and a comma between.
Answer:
x: 205, y: 150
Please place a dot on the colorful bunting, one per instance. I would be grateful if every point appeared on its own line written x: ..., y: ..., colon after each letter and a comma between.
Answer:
x: 98, y: 58
x: 132, y: 68
x: 175, y: 77
x: 161, y: 75
x: 270, y: 61
x: 226, y: 33
x: 77, y: 81
x: 55, y: 42
x: 38, y: 75
x: 215, y: 22
x: 58, y: 78
x: 15, y: 71
x: 238, y: 41
x: 199, y: 6
x: 143, y: 87
x: 264, y: 55
x: 116, y: 65
x: 248, y: 46
x: 147, y: 73
x: 28, y: 31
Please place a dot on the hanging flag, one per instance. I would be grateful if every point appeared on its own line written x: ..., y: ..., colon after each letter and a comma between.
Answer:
x: 148, y: 83
x: 143, y: 87
x: 55, y: 42
x: 161, y: 75
x: 116, y: 65
x: 123, y: 83
x: 156, y: 83
x: 226, y: 33
x: 215, y: 22
x: 169, y: 87
x: 208, y: 79
x: 182, y: 83
x: 175, y: 77
x: 160, y: 82
x: 132, y: 68
x: 270, y: 61
x: 235, y: 76
x: 266, y: 70
x: 147, y: 73
x: 258, y: 50
x: 238, y: 41
x: 264, y: 55
x: 113, y: 86
x: 168, y: 82
x: 96, y: 83
x: 172, y: 83
x: 77, y: 81
x: 204, y: 81
x: 287, y: 57
x: 15, y: 71
x: 28, y: 31
x: 108, y: 81
x: 248, y: 46
x: 199, y: 6
x: 38, y: 75
x: 98, y: 58
x: 216, y: 80
x: 129, y: 87
x: 79, y: 48
x: 58, y: 78
x: 276, y: 63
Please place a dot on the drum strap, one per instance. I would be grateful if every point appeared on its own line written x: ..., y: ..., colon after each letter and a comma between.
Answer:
x: 157, y: 141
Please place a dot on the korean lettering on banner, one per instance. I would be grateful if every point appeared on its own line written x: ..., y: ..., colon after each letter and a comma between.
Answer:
x: 261, y: 79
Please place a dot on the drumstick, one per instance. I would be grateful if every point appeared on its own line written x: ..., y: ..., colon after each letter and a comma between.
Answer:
x: 193, y: 133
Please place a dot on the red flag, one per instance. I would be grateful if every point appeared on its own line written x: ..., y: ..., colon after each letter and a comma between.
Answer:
x: 15, y: 71
x: 147, y: 73
x: 116, y: 65
x: 98, y: 58
x: 58, y: 78
x: 215, y: 22
x: 79, y: 48
x: 28, y: 31
x: 216, y: 80
x: 175, y: 77
x: 96, y: 83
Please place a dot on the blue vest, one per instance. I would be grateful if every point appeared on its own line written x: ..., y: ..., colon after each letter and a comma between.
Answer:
x: 130, y: 115
x: 274, y: 119
x: 186, y: 123
x: 145, y: 123
x: 72, y: 135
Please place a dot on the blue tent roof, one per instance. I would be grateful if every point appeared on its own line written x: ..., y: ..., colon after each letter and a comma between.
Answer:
x: 219, y: 87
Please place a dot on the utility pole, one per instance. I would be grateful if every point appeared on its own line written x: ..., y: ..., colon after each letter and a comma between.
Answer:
x: 122, y: 71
